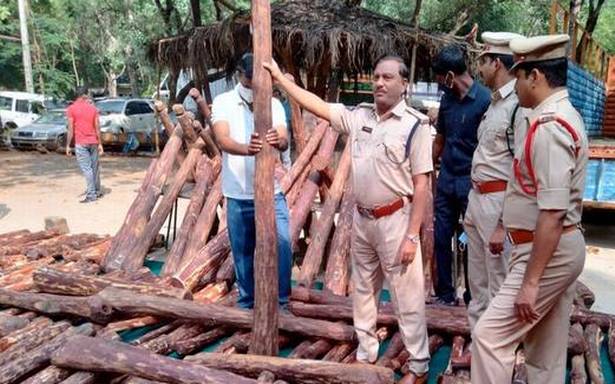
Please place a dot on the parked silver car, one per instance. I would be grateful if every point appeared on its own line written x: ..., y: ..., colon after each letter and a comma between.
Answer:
x: 120, y: 118
x: 49, y: 131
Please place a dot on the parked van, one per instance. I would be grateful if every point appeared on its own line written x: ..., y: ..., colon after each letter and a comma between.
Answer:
x: 20, y: 108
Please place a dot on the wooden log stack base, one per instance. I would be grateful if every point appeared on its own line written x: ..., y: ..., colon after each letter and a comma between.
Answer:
x: 296, y: 370
x: 95, y: 354
x: 131, y: 303
x: 39, y: 357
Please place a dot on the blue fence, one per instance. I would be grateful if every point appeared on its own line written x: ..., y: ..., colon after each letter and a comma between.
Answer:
x: 587, y: 94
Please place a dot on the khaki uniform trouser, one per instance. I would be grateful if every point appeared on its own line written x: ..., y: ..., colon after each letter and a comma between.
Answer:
x: 486, y: 271
x: 499, y: 332
x: 375, y: 244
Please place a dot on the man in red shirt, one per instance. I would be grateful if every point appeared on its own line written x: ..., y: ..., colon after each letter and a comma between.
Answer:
x: 84, y: 127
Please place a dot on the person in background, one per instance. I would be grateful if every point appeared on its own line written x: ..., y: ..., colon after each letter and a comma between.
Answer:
x: 84, y: 127
x: 461, y: 109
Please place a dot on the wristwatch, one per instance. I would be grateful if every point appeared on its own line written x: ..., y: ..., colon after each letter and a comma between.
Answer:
x: 414, y: 238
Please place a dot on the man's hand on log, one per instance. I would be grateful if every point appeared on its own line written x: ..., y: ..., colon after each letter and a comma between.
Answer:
x: 273, y: 138
x: 407, y: 251
x: 274, y: 69
x: 255, y: 145
x: 101, y: 151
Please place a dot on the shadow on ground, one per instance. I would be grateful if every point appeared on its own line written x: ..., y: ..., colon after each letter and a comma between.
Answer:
x: 20, y: 168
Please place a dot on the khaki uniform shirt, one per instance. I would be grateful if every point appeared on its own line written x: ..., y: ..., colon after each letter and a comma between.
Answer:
x: 492, y: 159
x: 381, y: 172
x: 559, y: 170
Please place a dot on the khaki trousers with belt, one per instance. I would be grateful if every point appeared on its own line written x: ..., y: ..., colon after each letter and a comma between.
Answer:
x: 499, y: 332
x: 375, y: 243
x: 486, y: 271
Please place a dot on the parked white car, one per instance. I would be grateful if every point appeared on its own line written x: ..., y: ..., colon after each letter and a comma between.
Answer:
x: 122, y: 117
x: 20, y: 108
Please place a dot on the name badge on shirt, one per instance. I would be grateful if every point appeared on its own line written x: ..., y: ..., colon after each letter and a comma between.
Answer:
x: 367, y: 129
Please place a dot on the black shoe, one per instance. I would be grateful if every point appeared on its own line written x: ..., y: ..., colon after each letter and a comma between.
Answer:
x: 88, y: 200
x: 99, y: 194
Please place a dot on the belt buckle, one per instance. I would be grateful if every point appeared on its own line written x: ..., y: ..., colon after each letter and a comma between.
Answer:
x: 510, y: 238
x: 366, y: 212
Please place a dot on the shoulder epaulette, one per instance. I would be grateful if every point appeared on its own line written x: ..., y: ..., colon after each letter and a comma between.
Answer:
x: 423, y: 119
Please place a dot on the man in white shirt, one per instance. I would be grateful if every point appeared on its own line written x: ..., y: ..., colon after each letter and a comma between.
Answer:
x: 233, y: 124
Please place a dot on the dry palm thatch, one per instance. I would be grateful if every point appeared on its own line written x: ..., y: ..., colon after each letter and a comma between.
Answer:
x: 316, y: 36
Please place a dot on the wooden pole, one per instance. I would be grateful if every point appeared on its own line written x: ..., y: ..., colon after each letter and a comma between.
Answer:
x: 265, y: 329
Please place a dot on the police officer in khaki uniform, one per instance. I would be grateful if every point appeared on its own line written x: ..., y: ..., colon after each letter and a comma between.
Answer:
x: 391, y: 161
x: 488, y: 251
x: 542, y: 214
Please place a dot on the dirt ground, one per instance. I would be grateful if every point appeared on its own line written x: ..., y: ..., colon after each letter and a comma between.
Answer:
x: 34, y: 186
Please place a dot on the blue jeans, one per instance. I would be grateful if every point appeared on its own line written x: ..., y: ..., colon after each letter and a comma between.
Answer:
x: 242, y: 234
x: 87, y: 158
x: 450, y: 203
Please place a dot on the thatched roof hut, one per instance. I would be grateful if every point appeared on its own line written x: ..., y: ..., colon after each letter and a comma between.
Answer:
x: 318, y: 37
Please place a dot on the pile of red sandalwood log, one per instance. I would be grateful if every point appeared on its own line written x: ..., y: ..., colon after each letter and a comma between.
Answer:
x: 67, y: 300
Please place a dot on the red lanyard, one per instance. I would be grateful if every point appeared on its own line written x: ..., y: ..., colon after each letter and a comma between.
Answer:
x: 532, y: 188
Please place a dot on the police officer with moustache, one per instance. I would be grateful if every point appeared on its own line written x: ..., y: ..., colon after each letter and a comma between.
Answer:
x: 391, y: 162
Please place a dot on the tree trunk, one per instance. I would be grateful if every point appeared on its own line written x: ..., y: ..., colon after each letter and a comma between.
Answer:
x: 297, y: 126
x: 593, y: 334
x: 337, y: 273
x: 81, y: 378
x: 10, y: 323
x: 578, y: 374
x: 39, y: 357
x: 208, y: 259
x: 94, y: 252
x: 339, y: 352
x: 195, y: 7
x: 586, y: 317
x: 88, y: 353
x: 427, y: 244
x: 35, y: 339
x: 399, y: 363
x: 198, y: 239
x: 87, y: 307
x: 303, y: 159
x: 136, y: 255
x: 24, y: 333
x: 49, y: 375
x: 188, y: 346
x: 296, y: 370
x: 144, y: 204
x: 265, y: 327
x: 313, y: 258
x: 130, y: 303
x: 51, y: 280
x: 204, y: 179
x: 439, y: 319
x: 577, y: 345
x: 396, y: 345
